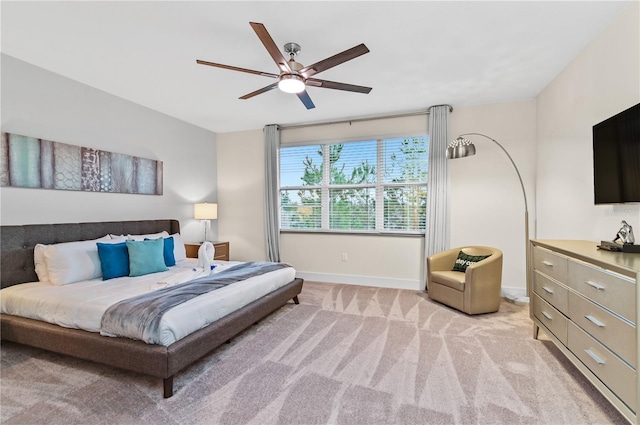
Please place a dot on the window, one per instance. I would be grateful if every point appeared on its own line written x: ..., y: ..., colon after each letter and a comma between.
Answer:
x: 374, y: 186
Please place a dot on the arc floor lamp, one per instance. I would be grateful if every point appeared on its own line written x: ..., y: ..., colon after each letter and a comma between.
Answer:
x: 461, y: 148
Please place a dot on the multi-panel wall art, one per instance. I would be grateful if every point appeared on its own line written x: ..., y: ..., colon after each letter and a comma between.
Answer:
x: 39, y: 163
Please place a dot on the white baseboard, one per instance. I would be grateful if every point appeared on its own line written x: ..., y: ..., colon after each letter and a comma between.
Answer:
x: 380, y: 282
x: 513, y: 293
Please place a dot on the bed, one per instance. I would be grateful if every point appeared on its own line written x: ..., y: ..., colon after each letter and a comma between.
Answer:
x: 162, y: 361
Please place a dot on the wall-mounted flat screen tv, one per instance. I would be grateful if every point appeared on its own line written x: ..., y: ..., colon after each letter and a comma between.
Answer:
x: 616, y: 158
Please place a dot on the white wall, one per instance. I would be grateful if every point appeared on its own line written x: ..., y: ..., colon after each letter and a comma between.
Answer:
x: 388, y: 261
x: 385, y: 261
x: 241, y: 194
x: 602, y: 81
x: 486, y: 200
x: 38, y: 103
x: 549, y: 139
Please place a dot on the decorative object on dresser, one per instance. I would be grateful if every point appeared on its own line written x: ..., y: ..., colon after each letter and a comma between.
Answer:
x: 585, y: 300
x: 205, y: 212
x: 467, y: 279
x: 44, y: 164
x: 461, y: 148
x: 625, y: 234
x: 221, y: 253
x: 623, y: 242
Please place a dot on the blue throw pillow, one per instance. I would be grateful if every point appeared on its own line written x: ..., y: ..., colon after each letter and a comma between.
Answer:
x: 114, y: 260
x: 169, y: 257
x: 146, y: 257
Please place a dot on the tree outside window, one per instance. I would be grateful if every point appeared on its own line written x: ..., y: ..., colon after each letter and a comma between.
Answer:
x: 368, y: 186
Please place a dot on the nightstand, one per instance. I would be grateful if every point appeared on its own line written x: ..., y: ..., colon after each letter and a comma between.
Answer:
x: 222, y: 250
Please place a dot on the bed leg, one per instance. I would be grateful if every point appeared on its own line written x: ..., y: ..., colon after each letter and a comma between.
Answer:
x: 295, y: 300
x: 168, y: 386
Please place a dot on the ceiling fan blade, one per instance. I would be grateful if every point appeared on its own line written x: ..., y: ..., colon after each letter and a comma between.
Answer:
x: 315, y: 82
x: 334, y: 60
x: 304, y: 97
x: 260, y: 91
x: 271, y: 47
x: 235, y: 68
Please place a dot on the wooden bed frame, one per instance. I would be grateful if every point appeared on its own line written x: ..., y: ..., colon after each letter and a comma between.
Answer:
x: 17, y: 266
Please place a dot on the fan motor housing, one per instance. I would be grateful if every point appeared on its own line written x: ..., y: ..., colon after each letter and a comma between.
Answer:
x: 292, y: 48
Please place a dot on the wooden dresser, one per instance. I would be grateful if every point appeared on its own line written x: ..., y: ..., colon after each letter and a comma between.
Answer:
x: 585, y: 300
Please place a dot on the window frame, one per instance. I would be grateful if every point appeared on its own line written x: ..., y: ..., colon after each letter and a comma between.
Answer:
x: 325, y: 188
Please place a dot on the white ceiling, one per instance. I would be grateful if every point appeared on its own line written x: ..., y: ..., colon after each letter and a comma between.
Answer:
x: 423, y: 53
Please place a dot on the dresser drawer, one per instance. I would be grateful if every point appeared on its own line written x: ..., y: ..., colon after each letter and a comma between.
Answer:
x: 617, y: 334
x: 549, y: 263
x: 611, y: 290
x: 551, y: 318
x: 613, y: 372
x: 551, y: 291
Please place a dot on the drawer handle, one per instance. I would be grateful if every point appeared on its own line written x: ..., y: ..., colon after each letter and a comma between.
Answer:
x: 594, y: 356
x: 594, y: 285
x: 547, y: 263
x: 547, y: 315
x: 547, y: 290
x: 594, y: 321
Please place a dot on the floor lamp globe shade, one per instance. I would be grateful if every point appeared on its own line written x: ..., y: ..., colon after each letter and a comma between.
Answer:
x: 460, y: 150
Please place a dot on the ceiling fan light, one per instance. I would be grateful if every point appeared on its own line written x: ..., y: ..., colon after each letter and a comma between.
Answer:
x: 291, y: 83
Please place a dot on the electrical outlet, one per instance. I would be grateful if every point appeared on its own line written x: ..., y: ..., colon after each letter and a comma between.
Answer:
x: 345, y: 257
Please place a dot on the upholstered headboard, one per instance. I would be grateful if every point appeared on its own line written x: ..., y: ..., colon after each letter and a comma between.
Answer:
x: 17, y: 242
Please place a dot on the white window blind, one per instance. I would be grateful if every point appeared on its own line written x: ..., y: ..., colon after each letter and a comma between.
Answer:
x: 367, y: 186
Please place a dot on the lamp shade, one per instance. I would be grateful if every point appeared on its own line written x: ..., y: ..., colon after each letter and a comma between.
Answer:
x: 205, y: 211
x: 460, y: 148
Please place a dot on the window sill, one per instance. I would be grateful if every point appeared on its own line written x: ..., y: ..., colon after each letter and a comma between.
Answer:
x: 351, y: 233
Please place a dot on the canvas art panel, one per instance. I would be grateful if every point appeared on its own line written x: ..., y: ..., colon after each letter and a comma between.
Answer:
x: 38, y: 163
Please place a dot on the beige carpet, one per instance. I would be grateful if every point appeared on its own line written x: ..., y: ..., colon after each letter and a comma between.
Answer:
x: 345, y: 355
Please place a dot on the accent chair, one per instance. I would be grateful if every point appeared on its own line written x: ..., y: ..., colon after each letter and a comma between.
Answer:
x: 475, y: 290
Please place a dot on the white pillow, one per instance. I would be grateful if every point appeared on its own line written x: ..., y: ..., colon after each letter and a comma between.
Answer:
x: 71, y: 262
x: 40, y: 262
x: 179, y: 251
x: 163, y: 234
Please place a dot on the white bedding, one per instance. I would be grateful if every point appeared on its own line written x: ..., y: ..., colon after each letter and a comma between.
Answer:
x: 81, y: 305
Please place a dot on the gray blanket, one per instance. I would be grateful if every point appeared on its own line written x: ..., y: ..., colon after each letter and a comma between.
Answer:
x: 139, y: 317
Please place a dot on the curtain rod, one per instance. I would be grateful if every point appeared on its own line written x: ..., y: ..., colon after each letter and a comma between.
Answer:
x: 379, y: 117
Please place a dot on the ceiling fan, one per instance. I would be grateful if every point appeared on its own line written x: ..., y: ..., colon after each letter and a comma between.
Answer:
x: 294, y: 77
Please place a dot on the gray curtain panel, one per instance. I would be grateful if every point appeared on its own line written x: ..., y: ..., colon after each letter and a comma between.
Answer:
x: 437, y: 226
x: 271, y: 191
